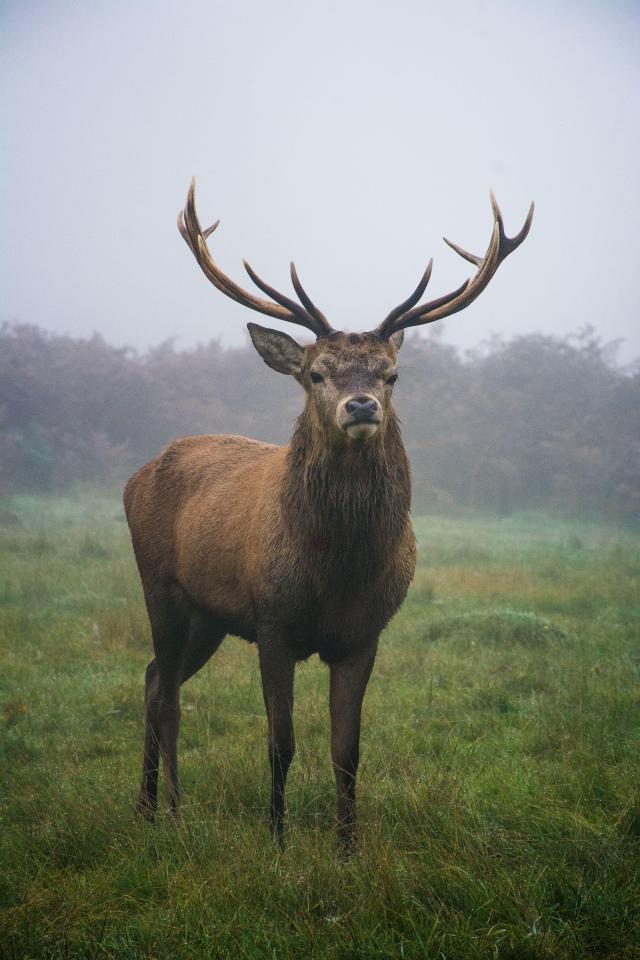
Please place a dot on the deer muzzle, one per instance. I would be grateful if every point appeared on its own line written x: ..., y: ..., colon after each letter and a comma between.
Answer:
x: 359, y: 416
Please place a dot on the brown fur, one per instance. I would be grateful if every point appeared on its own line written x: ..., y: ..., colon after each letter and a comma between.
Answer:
x: 302, y: 549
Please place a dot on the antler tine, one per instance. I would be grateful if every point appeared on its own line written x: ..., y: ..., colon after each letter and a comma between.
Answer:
x: 318, y: 328
x: 193, y: 234
x: 283, y: 308
x: 410, y: 301
x: 500, y: 246
x: 512, y: 243
x: 305, y: 299
x: 464, y: 253
x: 185, y: 233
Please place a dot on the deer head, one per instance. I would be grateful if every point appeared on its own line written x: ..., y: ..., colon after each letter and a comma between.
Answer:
x: 348, y: 378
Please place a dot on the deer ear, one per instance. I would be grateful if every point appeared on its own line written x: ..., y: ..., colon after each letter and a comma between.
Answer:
x: 397, y: 338
x: 278, y: 350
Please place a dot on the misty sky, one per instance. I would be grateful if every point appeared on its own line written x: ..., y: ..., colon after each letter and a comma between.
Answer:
x: 350, y: 136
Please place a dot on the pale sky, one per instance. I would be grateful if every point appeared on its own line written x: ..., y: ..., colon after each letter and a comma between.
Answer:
x: 349, y: 136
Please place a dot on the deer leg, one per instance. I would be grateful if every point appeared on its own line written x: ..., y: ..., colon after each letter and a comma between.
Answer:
x: 162, y: 714
x: 148, y: 800
x: 182, y: 646
x: 205, y: 636
x: 349, y: 678
x: 277, y: 667
x: 175, y: 644
x: 168, y: 726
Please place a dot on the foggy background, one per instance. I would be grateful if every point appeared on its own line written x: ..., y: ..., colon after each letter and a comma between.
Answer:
x: 349, y: 136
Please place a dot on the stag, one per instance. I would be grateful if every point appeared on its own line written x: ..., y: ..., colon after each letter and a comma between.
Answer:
x: 301, y: 549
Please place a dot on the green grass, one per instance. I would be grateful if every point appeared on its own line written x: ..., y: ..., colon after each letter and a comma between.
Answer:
x: 499, y: 789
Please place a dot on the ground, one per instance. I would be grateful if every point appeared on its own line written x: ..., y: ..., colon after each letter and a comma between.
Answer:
x: 499, y: 789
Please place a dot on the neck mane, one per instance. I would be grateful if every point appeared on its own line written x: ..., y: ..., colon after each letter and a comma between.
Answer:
x: 350, y: 501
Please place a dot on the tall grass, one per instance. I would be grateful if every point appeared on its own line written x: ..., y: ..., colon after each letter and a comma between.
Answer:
x: 499, y: 790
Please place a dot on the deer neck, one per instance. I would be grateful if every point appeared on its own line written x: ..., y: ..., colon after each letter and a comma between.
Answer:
x: 346, y: 501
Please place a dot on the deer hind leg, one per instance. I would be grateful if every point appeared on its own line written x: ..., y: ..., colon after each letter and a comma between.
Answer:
x: 205, y: 636
x: 169, y: 628
x: 277, y: 667
x: 148, y: 799
x: 182, y: 645
x: 349, y: 678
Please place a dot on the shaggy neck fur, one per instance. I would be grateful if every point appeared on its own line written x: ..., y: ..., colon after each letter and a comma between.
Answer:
x: 349, y: 500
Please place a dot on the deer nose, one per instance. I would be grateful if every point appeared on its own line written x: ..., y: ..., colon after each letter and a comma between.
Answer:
x: 361, y: 408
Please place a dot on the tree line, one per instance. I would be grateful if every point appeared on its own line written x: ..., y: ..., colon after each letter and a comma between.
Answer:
x: 531, y: 422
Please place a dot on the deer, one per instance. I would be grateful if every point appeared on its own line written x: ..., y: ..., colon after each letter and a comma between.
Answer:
x: 300, y: 549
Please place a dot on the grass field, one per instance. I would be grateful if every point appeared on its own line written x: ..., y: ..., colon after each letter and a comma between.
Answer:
x: 499, y: 789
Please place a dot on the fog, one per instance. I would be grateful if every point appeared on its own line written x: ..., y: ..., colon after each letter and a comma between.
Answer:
x: 349, y: 136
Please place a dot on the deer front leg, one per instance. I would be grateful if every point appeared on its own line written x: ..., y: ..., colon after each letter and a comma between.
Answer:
x: 349, y: 678
x: 277, y: 667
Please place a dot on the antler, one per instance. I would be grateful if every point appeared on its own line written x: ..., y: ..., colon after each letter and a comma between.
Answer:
x: 500, y: 246
x: 308, y: 315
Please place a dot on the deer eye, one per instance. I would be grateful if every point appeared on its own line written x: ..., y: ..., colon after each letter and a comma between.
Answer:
x: 392, y: 379
x: 316, y: 377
